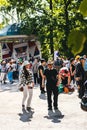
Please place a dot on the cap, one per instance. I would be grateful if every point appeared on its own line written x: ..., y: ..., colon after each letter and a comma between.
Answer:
x: 20, y: 60
x: 25, y: 63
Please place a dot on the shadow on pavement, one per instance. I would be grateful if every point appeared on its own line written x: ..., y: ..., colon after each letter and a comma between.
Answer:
x: 9, y: 87
x: 26, y: 116
x: 54, y: 117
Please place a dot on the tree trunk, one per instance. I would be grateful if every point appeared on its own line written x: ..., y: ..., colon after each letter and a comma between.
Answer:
x: 51, y: 30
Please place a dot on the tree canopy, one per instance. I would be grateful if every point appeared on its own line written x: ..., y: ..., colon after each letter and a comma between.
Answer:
x: 3, y: 2
x: 55, y: 22
x: 83, y: 8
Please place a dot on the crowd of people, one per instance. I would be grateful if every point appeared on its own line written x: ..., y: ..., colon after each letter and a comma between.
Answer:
x: 48, y: 75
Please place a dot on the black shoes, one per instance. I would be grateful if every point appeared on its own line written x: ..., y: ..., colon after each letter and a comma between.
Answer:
x: 11, y: 82
x: 55, y: 108
x: 23, y: 107
x: 28, y: 109
x: 49, y: 108
x: 5, y: 82
x: 43, y: 92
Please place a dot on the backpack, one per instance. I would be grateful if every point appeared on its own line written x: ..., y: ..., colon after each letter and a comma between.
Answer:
x: 57, y: 62
x: 84, y: 98
x: 84, y: 102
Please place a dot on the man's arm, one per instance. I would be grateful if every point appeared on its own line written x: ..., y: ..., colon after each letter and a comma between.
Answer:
x: 41, y: 73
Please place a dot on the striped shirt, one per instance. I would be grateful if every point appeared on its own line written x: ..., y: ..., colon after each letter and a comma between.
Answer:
x: 29, y: 79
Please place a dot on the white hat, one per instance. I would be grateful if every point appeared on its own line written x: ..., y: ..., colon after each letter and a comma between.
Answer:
x: 50, y: 62
x: 25, y: 63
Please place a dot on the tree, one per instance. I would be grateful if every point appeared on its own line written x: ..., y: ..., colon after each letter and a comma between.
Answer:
x: 50, y: 20
x: 83, y: 8
x: 78, y: 36
x: 76, y: 41
x: 3, y: 3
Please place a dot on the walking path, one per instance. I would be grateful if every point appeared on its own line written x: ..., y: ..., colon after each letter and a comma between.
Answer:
x: 13, y: 118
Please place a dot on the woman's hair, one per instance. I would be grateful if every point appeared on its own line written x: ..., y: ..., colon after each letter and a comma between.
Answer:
x: 26, y: 73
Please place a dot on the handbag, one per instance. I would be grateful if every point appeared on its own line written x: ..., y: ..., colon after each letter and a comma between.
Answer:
x: 66, y: 89
x: 21, y: 89
x: 60, y: 88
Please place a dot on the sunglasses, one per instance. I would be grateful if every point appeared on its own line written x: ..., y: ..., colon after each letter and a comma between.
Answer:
x: 50, y: 64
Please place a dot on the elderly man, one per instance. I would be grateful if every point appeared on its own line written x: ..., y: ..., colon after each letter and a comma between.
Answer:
x: 50, y: 74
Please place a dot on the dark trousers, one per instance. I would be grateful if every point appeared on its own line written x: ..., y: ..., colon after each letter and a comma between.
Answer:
x: 85, y: 75
x: 35, y: 78
x: 82, y: 88
x: 40, y: 82
x: 52, y: 90
x: 15, y: 74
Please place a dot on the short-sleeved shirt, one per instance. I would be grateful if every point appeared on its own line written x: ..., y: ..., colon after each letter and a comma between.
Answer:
x: 51, y: 77
x: 40, y: 68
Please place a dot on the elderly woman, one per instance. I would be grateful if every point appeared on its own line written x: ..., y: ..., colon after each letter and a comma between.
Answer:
x: 27, y: 82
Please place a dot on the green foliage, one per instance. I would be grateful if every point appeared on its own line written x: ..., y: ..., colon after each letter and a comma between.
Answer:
x: 76, y: 41
x: 4, y: 3
x: 83, y: 8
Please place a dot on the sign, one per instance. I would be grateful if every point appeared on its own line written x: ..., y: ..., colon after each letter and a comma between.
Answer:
x: 55, y: 54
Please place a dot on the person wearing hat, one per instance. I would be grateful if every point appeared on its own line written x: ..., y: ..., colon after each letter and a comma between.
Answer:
x: 77, y: 57
x: 80, y: 76
x: 50, y: 74
x: 27, y: 81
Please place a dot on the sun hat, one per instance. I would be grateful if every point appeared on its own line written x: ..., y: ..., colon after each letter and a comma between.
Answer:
x: 26, y: 63
x: 50, y: 62
x: 77, y: 57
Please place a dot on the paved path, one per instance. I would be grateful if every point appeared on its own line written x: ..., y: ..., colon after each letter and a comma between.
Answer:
x: 13, y: 118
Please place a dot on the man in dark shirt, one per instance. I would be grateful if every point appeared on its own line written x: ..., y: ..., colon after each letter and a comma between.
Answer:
x: 80, y: 76
x: 51, y: 85
x: 41, y: 74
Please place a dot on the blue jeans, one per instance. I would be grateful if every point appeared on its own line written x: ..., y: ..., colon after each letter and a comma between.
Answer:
x: 10, y: 76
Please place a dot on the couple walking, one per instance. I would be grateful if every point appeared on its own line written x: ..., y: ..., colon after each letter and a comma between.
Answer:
x: 27, y: 81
